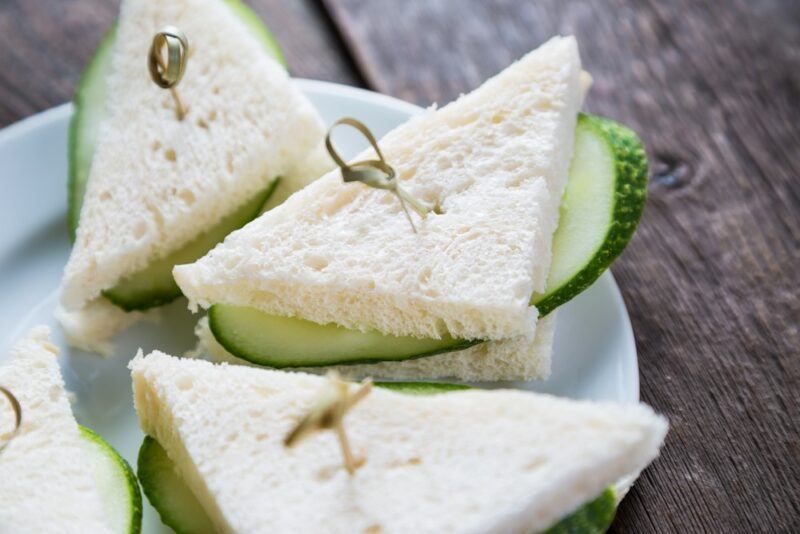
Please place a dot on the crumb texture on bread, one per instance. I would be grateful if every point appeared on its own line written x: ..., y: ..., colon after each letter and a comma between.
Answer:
x: 518, y: 358
x: 46, y: 482
x: 467, y: 461
x: 156, y: 182
x: 495, y: 160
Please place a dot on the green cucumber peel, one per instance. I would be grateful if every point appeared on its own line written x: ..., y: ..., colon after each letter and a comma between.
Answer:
x: 84, y: 126
x: 119, y: 488
x: 154, y: 285
x: 594, y: 517
x: 598, y: 216
x: 283, y: 342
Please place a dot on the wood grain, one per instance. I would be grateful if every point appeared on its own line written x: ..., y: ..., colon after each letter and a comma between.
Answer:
x: 44, y: 45
x: 711, y: 280
x: 309, y: 40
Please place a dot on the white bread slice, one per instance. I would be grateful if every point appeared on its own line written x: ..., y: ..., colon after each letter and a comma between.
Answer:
x: 46, y: 482
x: 508, y: 359
x: 496, y: 160
x: 471, y: 461
x: 157, y: 182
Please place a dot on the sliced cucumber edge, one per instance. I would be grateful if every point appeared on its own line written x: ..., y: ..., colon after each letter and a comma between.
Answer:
x: 235, y: 349
x: 630, y: 193
x: 143, y: 301
x: 592, y: 517
x: 76, y: 191
x: 132, y: 483
x: 152, y: 451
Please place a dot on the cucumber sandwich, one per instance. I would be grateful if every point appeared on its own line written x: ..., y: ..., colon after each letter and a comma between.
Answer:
x: 56, y: 476
x: 534, y: 199
x: 464, y: 460
x: 149, y: 190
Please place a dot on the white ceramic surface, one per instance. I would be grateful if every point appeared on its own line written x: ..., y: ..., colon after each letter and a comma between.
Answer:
x: 595, y: 354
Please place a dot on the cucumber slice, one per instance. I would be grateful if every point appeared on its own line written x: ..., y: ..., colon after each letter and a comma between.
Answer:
x: 180, y: 510
x: 280, y: 342
x: 117, y: 483
x: 600, y: 210
x: 84, y: 126
x: 177, y: 506
x: 154, y: 285
x: 601, y: 207
x: 594, y: 517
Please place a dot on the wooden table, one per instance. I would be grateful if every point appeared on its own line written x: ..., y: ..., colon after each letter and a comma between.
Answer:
x: 711, y: 280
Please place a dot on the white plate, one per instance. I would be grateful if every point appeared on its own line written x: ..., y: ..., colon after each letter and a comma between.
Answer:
x: 595, y: 354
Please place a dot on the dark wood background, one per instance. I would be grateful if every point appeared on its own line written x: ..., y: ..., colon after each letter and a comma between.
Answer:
x: 711, y: 280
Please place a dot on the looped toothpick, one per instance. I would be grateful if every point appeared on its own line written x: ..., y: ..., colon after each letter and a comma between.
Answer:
x: 328, y: 414
x: 15, y: 406
x: 374, y: 172
x: 168, y: 74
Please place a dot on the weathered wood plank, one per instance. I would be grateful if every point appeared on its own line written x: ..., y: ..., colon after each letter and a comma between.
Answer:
x: 711, y: 281
x: 45, y: 44
x: 309, y: 40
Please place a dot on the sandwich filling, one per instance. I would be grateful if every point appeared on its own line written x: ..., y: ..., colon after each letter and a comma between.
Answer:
x: 495, y: 161
x: 157, y: 184
x: 468, y: 460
